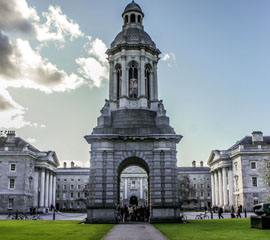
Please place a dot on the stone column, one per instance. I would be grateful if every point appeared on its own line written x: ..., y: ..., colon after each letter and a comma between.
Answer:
x: 216, y: 188
x: 225, y: 193
x: 42, y: 188
x: 47, y: 190
x: 54, y: 190
x: 115, y: 86
x: 36, y: 181
x: 220, y: 187
x: 155, y: 82
x: 213, y: 188
x: 111, y: 82
x: 126, y: 187
x: 142, y: 82
x: 50, y: 189
x: 125, y: 82
x: 231, y: 197
x: 141, y: 188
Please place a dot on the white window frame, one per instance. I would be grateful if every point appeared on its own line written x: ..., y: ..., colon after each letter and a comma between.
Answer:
x: 11, y: 165
x: 9, y: 184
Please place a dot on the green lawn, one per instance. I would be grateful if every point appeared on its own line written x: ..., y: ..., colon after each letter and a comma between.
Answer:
x: 51, y: 230
x: 238, y: 229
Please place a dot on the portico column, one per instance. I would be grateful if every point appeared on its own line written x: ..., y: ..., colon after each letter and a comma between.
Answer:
x: 36, y: 181
x: 216, y: 188
x: 141, y: 188
x: 220, y: 187
x: 47, y: 190
x: 54, y: 190
x: 231, y: 198
x: 42, y: 188
x: 225, y: 193
x: 126, y: 187
x: 213, y: 188
x: 51, y: 189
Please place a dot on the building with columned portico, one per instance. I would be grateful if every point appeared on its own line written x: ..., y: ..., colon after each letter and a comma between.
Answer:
x: 235, y: 172
x: 27, y: 175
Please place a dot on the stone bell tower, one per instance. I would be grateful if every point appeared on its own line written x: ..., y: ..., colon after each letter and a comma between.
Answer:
x: 133, y: 128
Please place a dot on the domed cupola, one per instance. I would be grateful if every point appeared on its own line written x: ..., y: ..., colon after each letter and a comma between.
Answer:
x: 133, y: 59
x: 133, y: 31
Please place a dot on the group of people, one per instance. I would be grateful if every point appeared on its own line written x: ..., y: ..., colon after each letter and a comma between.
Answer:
x: 132, y: 213
x: 219, y: 210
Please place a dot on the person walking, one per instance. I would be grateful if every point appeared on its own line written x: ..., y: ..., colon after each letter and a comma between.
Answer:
x: 232, y: 212
x: 220, y: 211
x: 238, y: 212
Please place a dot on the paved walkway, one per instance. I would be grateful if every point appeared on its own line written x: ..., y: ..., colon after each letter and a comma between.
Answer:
x: 143, y: 231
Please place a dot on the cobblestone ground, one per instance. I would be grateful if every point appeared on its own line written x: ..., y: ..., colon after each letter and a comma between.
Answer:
x: 82, y: 216
x: 192, y: 215
x: 58, y: 216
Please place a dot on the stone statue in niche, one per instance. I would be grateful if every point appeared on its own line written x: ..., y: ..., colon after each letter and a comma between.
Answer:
x: 105, y: 111
x: 161, y: 110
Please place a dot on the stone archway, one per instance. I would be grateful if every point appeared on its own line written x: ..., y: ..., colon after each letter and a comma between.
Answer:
x: 133, y: 161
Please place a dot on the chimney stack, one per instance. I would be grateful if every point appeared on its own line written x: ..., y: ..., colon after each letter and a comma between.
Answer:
x: 10, y: 138
x: 257, y: 137
x: 193, y: 163
x: 65, y: 165
x: 72, y: 164
x: 201, y: 164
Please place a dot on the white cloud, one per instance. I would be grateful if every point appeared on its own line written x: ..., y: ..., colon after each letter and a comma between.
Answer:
x: 31, y: 140
x: 11, y: 113
x: 17, y: 15
x: 168, y: 56
x: 23, y: 67
x: 92, y: 70
x: 98, y: 49
x: 57, y: 26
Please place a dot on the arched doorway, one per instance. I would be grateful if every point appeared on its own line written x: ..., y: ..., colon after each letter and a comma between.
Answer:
x: 133, y: 182
x: 133, y: 201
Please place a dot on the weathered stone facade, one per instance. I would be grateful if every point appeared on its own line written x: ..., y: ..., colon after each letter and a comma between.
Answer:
x: 195, y: 186
x: 27, y: 175
x: 71, y: 191
x: 133, y: 128
x: 235, y: 174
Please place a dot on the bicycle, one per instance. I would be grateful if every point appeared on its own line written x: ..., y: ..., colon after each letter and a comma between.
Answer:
x: 183, y: 216
x: 202, y: 216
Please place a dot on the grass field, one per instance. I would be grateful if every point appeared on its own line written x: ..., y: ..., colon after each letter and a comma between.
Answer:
x: 238, y: 229
x: 51, y: 230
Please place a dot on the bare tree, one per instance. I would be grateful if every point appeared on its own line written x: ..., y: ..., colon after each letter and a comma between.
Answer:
x: 265, y: 174
x: 187, y: 192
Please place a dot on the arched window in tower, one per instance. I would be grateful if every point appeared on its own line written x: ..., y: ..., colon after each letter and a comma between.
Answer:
x: 139, y: 18
x: 126, y: 19
x: 147, y: 73
x: 119, y: 81
x: 133, y: 80
x: 133, y: 18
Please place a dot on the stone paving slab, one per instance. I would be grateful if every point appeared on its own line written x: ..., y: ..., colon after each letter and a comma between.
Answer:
x: 143, y: 231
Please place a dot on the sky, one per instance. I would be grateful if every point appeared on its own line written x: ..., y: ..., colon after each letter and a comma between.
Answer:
x: 214, y: 74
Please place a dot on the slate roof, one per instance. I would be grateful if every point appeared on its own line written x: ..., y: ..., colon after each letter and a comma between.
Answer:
x: 133, y: 36
x: 132, y: 7
x: 248, y: 141
x: 193, y: 169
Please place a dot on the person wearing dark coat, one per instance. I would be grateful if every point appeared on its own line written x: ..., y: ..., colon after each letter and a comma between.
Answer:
x: 220, y: 211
